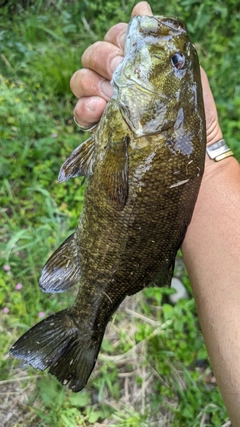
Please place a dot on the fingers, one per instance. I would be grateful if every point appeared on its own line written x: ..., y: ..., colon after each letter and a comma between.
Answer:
x: 116, y: 35
x: 89, y: 110
x: 102, y: 57
x: 94, y: 91
x: 142, y: 8
x: 86, y: 83
x: 92, y: 83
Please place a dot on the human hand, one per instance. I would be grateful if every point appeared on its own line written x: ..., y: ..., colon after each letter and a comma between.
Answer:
x: 92, y: 87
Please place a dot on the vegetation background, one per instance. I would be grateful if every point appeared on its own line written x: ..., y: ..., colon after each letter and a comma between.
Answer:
x: 153, y: 369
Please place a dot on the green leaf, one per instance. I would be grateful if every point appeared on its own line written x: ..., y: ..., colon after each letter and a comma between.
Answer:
x: 52, y: 393
x: 79, y: 400
x: 168, y: 311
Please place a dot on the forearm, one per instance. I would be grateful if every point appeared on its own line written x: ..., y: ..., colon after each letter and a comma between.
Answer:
x: 211, y: 251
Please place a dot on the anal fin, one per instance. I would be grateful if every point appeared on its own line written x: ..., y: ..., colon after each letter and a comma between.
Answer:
x: 62, y: 270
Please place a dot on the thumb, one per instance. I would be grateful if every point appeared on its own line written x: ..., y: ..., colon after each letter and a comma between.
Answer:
x: 142, y: 8
x: 212, y: 126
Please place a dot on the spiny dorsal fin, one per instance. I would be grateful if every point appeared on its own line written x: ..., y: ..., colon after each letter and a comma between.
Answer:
x: 62, y: 270
x: 80, y: 162
x: 115, y: 179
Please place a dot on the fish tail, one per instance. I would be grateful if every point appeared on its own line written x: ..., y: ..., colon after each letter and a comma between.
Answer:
x: 58, y: 343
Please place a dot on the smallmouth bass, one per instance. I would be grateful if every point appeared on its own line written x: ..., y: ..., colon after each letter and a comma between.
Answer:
x: 144, y: 165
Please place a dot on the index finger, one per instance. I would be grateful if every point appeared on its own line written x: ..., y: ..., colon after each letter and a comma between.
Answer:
x: 116, y: 34
x: 142, y: 8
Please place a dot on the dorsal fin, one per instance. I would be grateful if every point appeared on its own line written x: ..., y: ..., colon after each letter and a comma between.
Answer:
x: 80, y: 162
x: 62, y: 270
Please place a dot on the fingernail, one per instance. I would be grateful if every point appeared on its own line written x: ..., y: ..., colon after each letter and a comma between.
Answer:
x: 115, y: 62
x: 107, y: 89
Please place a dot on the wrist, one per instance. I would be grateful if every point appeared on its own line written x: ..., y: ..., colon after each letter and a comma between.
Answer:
x: 213, y: 168
x: 220, y: 180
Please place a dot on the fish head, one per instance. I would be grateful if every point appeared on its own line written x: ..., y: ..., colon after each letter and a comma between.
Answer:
x: 158, y: 53
x: 158, y: 83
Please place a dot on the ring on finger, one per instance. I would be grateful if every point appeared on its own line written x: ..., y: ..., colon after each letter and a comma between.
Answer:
x: 85, y: 128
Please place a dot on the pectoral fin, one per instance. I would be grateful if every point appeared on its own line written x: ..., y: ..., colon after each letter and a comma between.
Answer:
x: 62, y: 270
x: 115, y: 178
x: 80, y: 162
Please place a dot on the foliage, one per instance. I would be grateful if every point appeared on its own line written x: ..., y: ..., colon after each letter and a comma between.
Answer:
x: 153, y: 368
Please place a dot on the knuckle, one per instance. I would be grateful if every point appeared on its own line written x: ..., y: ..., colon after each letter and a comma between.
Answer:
x: 81, y: 113
x: 73, y: 80
x: 113, y: 35
x: 88, y: 110
x: 82, y: 83
x: 87, y: 83
x: 89, y: 56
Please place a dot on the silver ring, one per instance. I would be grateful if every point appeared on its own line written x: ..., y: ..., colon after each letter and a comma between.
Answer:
x: 83, y: 128
x: 219, y: 150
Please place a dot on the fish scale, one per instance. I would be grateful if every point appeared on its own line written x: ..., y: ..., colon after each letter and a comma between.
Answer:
x: 143, y: 163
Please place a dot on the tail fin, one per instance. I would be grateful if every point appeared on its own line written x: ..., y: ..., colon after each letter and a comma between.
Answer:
x: 58, y: 344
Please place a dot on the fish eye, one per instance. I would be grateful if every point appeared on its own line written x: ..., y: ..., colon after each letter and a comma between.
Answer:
x: 178, y: 60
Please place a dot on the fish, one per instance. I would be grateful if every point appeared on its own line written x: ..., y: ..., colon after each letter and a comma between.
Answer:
x: 143, y: 165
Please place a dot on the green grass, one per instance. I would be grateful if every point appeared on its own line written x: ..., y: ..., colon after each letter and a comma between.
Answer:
x: 153, y: 368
